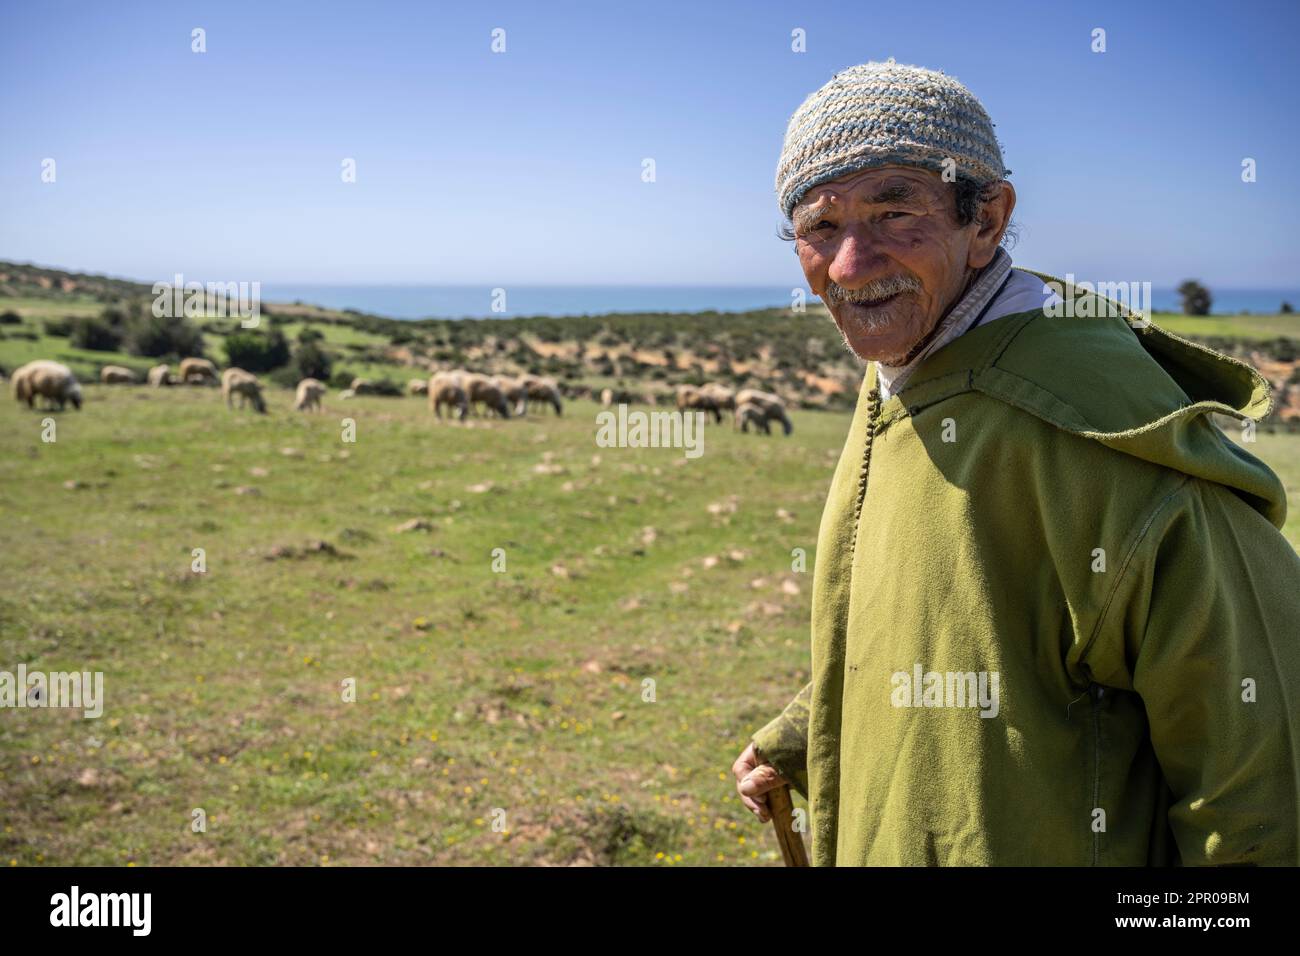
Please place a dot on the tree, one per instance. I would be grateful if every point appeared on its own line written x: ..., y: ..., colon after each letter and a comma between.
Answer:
x: 257, y: 351
x: 1196, y: 298
x: 311, y: 361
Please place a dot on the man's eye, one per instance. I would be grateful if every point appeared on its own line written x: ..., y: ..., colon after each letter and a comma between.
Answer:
x: 891, y: 214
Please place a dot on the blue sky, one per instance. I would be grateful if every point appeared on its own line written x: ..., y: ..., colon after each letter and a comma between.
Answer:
x: 525, y: 167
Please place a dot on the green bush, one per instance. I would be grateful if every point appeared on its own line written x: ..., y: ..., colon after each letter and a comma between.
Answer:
x: 342, y: 378
x: 59, y: 328
x: 10, y: 317
x: 311, y: 361
x: 99, y: 334
x: 257, y: 351
x: 149, y: 335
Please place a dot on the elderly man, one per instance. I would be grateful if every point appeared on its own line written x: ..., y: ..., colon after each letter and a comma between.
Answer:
x: 1054, y: 620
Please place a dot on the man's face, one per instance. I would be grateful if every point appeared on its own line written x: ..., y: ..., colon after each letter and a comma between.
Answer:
x: 883, y: 250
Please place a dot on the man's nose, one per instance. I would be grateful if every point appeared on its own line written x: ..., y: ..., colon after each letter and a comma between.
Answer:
x: 857, y: 259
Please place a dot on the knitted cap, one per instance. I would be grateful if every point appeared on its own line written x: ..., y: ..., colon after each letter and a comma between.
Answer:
x: 885, y: 114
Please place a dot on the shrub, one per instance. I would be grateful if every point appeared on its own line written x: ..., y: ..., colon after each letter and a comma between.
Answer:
x: 60, y: 328
x: 342, y: 378
x: 148, y: 335
x: 99, y: 334
x: 257, y: 351
x: 311, y: 361
x: 10, y: 317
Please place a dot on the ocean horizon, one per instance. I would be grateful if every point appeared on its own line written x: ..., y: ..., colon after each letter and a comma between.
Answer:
x: 476, y: 302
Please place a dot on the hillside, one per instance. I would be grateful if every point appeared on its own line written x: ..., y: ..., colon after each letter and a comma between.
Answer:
x: 797, y: 355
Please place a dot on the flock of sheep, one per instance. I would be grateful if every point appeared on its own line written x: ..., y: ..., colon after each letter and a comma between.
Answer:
x: 748, y: 407
x: 458, y: 391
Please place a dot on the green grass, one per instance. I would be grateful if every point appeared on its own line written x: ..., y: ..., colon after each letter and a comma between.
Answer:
x: 1249, y: 327
x: 477, y: 690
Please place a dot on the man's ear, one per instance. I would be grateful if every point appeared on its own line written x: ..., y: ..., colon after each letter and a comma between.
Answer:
x: 995, y: 215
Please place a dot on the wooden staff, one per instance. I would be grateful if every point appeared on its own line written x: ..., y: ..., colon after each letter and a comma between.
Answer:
x: 782, y: 810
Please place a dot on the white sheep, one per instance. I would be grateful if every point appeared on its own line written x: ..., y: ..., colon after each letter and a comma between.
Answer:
x: 116, y: 375
x: 447, y: 388
x: 235, y: 381
x: 198, y: 371
x: 161, y: 375
x: 49, y: 380
x: 310, y: 392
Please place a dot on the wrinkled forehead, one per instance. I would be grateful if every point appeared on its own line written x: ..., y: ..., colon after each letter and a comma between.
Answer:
x: 879, y: 184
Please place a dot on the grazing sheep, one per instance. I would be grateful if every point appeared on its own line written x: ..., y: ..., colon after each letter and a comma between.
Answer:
x: 480, y: 388
x: 698, y: 398
x: 310, y: 392
x: 542, y: 390
x: 198, y: 371
x: 161, y: 375
x: 750, y: 414
x: 724, y: 398
x: 771, y: 404
x: 447, y: 388
x: 346, y: 394
x: 363, y: 386
x: 620, y: 396
x: 417, y: 386
x: 235, y: 381
x: 116, y: 375
x: 49, y: 380
x: 515, y: 393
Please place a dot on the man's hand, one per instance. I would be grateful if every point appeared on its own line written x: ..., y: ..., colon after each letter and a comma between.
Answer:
x: 754, y: 778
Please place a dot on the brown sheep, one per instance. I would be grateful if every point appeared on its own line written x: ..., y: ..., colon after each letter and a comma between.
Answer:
x: 750, y: 414
x: 161, y: 375
x: 446, y: 388
x: 235, y: 381
x: 417, y: 386
x: 116, y: 375
x: 310, y: 391
x: 49, y: 380
x: 198, y: 371
x: 481, y: 388
x: 542, y: 390
x: 698, y: 398
x: 771, y: 404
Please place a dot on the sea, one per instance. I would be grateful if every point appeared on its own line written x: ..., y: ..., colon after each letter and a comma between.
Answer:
x: 471, y: 301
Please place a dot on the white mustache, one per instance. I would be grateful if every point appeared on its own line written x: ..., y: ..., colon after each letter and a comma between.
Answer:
x: 872, y: 291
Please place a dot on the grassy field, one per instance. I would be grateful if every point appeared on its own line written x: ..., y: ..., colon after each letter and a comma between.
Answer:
x: 476, y: 690
x: 479, y: 692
